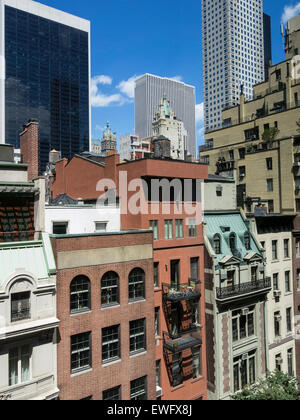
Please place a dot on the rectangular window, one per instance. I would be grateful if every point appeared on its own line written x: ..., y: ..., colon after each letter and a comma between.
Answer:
x: 81, y: 352
x: 113, y: 394
x: 298, y: 205
x: 243, y: 324
x: 298, y: 248
x: 138, y: 336
x: 244, y: 371
x: 242, y: 172
x: 271, y: 206
x: 278, y: 362
x: 175, y: 273
x: 157, y: 322
x: 20, y: 306
x: 156, y: 274
x: 277, y: 321
x: 286, y: 248
x: 168, y: 229
x: 274, y: 250
x: 60, y: 228
x: 111, y: 344
x: 158, y: 373
x: 192, y: 228
x: 270, y: 186
x: 194, y: 262
x: 19, y: 365
x: 298, y: 279
x: 289, y: 320
x: 179, y: 229
x: 275, y: 281
x: 197, y: 369
x: 287, y: 281
x: 269, y: 164
x: 100, y: 227
x: 154, y: 228
x: 138, y: 389
x: 290, y: 362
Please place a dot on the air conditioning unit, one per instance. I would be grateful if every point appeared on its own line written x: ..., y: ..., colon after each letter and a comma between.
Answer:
x: 279, y: 360
x: 245, y: 357
x: 278, y: 318
x: 261, y: 268
x: 224, y: 277
x: 277, y: 293
x: 245, y: 311
x: 158, y: 392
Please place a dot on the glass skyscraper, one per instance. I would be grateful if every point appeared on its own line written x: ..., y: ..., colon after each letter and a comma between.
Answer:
x: 47, y: 55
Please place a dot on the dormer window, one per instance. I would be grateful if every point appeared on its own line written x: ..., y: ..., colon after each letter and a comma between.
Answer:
x: 232, y: 242
x: 247, y: 241
x: 20, y: 306
x: 217, y: 244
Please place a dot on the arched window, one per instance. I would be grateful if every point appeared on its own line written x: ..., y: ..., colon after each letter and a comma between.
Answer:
x: 217, y: 244
x: 80, y: 294
x: 110, y: 294
x: 232, y: 242
x: 247, y: 241
x: 136, y: 284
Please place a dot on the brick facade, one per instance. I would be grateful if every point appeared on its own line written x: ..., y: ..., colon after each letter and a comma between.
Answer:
x: 102, y: 377
x: 29, y: 145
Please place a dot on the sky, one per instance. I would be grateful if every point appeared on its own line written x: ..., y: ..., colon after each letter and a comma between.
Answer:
x: 133, y: 37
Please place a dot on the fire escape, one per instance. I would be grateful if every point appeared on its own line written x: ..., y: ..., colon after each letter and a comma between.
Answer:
x: 181, y: 306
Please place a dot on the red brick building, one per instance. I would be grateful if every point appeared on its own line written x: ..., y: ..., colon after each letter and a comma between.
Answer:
x: 178, y: 304
x: 105, y: 301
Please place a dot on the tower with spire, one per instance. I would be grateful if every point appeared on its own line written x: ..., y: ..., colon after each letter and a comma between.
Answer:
x: 167, y: 125
x: 109, y: 140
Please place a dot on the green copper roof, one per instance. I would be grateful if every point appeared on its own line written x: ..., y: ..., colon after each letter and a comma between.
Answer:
x: 34, y: 257
x: 225, y: 224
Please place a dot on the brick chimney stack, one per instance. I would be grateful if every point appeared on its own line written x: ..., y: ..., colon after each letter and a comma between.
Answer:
x: 29, y: 145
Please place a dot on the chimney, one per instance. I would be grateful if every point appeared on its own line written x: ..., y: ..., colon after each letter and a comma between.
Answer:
x: 29, y: 145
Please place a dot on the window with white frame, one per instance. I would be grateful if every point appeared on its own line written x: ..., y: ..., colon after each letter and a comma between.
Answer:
x: 138, y: 389
x: 111, y: 345
x: 244, y: 371
x: 137, y: 333
x: 243, y: 324
x: 19, y: 365
x: 81, y: 352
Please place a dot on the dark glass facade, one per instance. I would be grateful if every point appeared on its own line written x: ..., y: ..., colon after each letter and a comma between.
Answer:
x: 47, y: 79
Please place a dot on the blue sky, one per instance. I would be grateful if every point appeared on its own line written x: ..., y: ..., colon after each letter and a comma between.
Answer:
x: 133, y: 37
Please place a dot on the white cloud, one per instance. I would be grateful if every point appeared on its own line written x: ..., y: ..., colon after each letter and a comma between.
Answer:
x: 176, y: 78
x: 199, y: 114
x: 127, y: 87
x: 101, y: 100
x: 290, y: 12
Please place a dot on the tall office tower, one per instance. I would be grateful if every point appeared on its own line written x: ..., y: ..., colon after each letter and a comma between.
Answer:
x: 267, y: 44
x: 233, y: 54
x: 148, y: 93
x: 47, y: 54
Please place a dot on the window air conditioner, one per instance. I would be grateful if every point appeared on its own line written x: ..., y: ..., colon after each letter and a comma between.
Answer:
x: 278, y: 318
x: 277, y: 293
x: 245, y: 357
x: 245, y: 311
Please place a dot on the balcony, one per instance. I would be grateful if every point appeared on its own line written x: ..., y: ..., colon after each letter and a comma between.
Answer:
x: 180, y: 292
x: 237, y: 290
x: 185, y: 342
x: 225, y: 165
x: 181, y: 357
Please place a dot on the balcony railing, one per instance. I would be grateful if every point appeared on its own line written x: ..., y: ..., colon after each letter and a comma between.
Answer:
x: 243, y: 289
x: 188, y: 341
x: 179, y: 292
